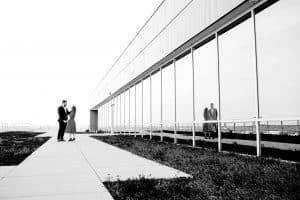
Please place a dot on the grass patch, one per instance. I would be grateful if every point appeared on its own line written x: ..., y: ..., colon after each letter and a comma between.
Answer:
x: 215, y: 175
x: 18, y: 145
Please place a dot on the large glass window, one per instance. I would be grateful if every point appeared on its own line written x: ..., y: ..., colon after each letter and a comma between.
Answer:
x: 123, y: 112
x: 184, y: 91
x: 168, y: 97
x: 132, y: 108
x: 146, y: 104
x: 114, y: 110
x: 237, y: 72
x: 278, y: 30
x: 156, y: 90
x: 206, y: 78
x: 139, y: 105
x: 126, y: 109
x: 109, y: 115
x: 115, y: 113
x: 120, y: 112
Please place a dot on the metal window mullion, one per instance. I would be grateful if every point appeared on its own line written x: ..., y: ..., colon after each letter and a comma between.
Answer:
x: 257, y: 117
x: 161, y: 105
x: 108, y: 117
x: 121, y: 128
x: 124, y: 120
x: 104, y: 113
x: 150, y: 106
x: 135, y: 110
x: 193, y: 79
x: 219, y: 96
x: 105, y: 117
x: 111, y: 116
x: 142, y: 131
x: 175, y: 103
x: 129, y: 131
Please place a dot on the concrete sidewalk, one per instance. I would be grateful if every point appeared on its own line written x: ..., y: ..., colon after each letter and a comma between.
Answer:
x: 76, y: 170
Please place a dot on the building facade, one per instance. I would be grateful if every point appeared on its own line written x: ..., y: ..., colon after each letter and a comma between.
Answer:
x: 239, y: 55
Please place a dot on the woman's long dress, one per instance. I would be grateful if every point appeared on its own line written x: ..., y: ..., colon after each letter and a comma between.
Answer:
x: 71, y: 126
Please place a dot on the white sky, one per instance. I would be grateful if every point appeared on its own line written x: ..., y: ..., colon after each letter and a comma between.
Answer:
x: 60, y: 49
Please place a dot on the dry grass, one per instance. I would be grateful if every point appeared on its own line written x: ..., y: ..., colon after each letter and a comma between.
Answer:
x: 16, y: 146
x: 215, y: 175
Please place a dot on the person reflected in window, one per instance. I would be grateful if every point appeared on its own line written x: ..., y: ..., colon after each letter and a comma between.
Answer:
x: 213, y: 115
x: 206, y: 130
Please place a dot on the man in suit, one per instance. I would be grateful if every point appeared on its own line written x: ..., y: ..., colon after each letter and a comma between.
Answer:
x: 213, y: 115
x: 62, y: 120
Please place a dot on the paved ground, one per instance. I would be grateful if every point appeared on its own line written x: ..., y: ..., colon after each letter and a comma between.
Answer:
x: 76, y: 170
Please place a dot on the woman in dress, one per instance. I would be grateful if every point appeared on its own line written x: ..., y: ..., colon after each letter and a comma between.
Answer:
x: 206, y: 129
x: 71, y: 126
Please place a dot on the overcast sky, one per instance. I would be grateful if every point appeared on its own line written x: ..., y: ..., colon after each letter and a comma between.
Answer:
x: 60, y: 49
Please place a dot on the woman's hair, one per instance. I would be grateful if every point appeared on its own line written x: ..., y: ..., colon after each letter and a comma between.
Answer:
x: 73, y: 109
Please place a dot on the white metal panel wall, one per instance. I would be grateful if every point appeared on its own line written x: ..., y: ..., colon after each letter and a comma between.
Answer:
x: 174, y: 23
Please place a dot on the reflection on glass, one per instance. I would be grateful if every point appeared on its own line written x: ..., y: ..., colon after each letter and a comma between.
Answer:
x: 237, y: 72
x: 184, y: 91
x: 168, y: 97
x: 278, y: 30
x: 280, y: 139
x: 239, y: 137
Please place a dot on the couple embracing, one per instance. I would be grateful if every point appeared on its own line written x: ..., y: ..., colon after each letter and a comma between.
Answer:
x: 66, y: 120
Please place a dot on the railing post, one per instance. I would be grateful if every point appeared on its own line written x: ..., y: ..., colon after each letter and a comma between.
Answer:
x: 298, y: 126
x: 175, y: 102
x: 194, y: 115
x: 281, y: 125
x: 258, y: 137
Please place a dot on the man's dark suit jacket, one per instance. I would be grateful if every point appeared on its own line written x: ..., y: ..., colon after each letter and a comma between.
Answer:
x: 213, y: 114
x: 63, y: 114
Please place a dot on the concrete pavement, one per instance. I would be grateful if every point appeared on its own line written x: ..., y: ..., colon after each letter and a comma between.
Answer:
x: 76, y: 170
